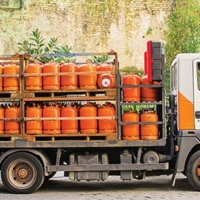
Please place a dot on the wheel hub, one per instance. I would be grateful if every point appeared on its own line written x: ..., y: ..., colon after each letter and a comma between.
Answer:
x: 22, y: 173
x: 198, y: 170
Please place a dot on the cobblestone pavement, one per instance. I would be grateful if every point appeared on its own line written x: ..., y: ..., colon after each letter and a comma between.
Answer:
x: 153, y: 188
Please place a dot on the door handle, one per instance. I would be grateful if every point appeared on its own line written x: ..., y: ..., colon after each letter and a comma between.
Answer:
x: 197, y: 114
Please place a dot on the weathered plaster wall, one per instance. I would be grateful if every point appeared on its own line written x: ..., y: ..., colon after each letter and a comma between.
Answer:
x: 88, y: 25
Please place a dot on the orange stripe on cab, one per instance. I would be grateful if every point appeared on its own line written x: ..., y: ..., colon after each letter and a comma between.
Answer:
x: 185, y: 113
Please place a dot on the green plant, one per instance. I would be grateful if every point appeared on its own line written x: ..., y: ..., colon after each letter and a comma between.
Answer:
x: 100, y: 59
x: 183, y: 32
x: 63, y: 50
x: 130, y: 69
x: 149, y: 31
x: 36, y: 45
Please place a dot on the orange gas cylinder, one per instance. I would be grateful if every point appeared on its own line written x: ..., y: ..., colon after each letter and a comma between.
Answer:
x: 69, y: 126
x: 1, y: 121
x: 88, y: 125
x: 34, y: 126
x: 1, y: 79
x: 12, y: 127
x: 11, y: 83
x: 148, y: 93
x: 106, y: 125
x: 149, y: 131
x: 130, y: 132
x: 89, y: 79
x: 51, y: 82
x: 51, y: 126
x: 131, y: 94
x: 69, y: 81
x: 103, y: 68
x: 106, y: 81
x: 35, y: 82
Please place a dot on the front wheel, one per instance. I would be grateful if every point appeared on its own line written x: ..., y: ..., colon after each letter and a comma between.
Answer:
x: 193, y: 170
x: 22, y: 172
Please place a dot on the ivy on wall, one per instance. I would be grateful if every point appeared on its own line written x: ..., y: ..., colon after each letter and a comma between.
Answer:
x: 183, y: 32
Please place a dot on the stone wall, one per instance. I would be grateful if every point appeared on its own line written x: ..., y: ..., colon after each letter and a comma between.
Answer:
x: 87, y: 25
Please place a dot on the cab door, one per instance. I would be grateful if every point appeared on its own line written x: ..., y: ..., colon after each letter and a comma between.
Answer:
x: 196, y: 78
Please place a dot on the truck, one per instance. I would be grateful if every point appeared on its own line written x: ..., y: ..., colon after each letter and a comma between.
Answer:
x: 92, y: 121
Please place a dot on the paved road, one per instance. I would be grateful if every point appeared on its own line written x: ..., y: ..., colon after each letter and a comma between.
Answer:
x: 154, y: 188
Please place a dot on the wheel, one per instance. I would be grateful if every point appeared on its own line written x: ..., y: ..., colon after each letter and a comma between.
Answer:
x: 193, y: 170
x: 22, y: 173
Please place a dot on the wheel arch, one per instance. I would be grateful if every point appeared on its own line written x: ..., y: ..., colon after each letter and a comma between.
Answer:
x: 187, y: 146
x: 193, y: 150
x: 193, y: 170
x: 41, y: 155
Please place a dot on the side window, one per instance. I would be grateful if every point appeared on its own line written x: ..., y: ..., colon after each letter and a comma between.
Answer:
x: 173, y: 76
x: 198, y: 75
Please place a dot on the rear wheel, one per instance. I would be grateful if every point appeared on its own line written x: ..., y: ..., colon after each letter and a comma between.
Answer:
x: 193, y: 170
x: 22, y: 173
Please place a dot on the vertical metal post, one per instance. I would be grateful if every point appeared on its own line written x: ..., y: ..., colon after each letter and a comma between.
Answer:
x: 163, y: 98
x: 21, y: 92
x: 119, y: 109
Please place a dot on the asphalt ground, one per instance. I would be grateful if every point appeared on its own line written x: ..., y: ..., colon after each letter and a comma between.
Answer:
x: 155, y: 188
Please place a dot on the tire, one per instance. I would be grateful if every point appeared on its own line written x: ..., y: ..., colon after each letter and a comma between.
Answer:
x: 22, y: 173
x: 193, y: 170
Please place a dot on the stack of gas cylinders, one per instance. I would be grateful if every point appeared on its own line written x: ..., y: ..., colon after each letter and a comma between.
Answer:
x: 81, y: 119
x: 10, y: 82
x: 148, y: 131
x: 137, y: 94
x: 89, y: 76
x: 41, y: 118
x: 11, y: 79
x: 11, y: 114
x: 78, y: 118
x: 143, y: 131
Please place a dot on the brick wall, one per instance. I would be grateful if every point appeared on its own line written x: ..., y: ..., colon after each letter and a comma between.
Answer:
x: 88, y: 25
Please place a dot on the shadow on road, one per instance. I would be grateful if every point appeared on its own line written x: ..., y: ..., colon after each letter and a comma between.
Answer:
x: 152, y: 184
